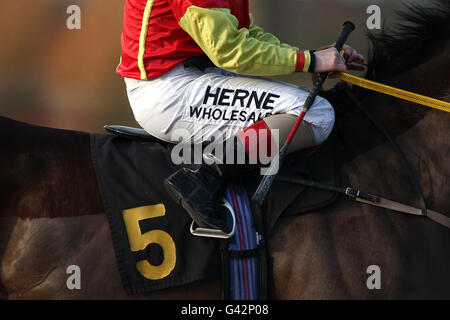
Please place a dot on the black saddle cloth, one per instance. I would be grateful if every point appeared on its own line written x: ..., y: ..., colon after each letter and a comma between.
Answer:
x: 130, y: 176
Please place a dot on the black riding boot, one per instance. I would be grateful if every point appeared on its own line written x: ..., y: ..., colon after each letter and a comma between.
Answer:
x: 200, y: 192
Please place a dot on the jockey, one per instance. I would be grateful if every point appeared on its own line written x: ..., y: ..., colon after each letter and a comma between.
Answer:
x: 198, y: 65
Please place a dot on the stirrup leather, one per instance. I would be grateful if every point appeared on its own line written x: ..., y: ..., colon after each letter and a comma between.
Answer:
x: 215, y: 233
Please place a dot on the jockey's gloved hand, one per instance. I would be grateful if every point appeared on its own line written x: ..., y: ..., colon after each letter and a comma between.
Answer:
x: 330, y: 60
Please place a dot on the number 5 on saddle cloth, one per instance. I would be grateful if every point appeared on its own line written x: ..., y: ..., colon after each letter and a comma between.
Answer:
x: 130, y: 173
x: 242, y: 250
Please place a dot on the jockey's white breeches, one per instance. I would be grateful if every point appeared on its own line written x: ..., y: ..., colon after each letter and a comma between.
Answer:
x: 217, y: 102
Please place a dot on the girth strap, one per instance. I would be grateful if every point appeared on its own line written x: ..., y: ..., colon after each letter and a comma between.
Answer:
x: 245, y: 254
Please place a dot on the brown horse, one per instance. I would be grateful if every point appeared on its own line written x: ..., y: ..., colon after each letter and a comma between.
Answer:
x: 51, y: 212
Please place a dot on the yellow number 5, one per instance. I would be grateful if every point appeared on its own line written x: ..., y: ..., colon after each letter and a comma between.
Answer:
x: 139, y: 241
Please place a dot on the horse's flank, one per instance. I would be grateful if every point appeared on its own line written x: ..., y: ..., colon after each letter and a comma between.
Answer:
x: 46, y: 172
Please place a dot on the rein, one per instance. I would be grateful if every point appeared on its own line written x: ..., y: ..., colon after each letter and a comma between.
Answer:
x: 385, y: 89
x: 395, y: 92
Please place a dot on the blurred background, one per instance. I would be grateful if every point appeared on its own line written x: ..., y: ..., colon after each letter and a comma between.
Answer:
x: 53, y: 76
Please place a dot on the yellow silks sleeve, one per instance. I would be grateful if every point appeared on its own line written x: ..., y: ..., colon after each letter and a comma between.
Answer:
x: 259, y: 34
x: 216, y: 32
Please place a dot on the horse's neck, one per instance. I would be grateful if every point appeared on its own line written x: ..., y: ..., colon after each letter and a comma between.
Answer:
x: 379, y: 170
x: 428, y: 148
x: 420, y: 131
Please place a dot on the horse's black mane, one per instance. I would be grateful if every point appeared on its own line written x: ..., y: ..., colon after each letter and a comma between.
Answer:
x: 420, y: 34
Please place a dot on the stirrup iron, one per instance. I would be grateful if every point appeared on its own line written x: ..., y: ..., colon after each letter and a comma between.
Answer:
x: 215, y: 233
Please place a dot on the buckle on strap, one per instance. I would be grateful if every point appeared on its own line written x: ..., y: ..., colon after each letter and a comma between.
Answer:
x: 215, y: 233
x: 356, y: 194
x: 352, y: 193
